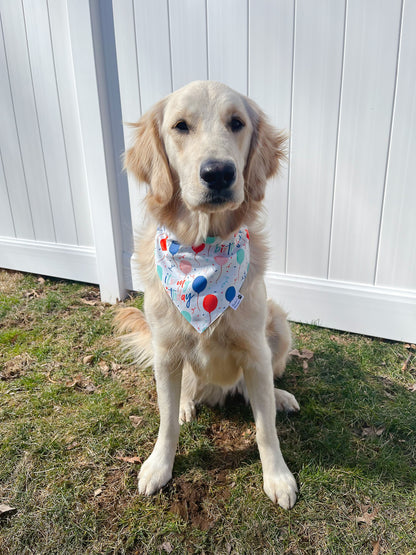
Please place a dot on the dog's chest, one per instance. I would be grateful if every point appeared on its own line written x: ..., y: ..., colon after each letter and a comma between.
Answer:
x: 215, y: 362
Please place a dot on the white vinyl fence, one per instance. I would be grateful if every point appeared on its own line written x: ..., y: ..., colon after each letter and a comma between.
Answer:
x: 339, y: 75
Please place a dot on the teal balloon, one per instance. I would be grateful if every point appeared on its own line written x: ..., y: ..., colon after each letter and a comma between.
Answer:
x: 240, y: 256
x: 186, y: 315
x: 210, y: 240
x: 159, y: 272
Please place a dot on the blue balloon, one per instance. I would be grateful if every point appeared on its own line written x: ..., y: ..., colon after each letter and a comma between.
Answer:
x: 174, y: 247
x: 199, y: 284
x: 230, y: 294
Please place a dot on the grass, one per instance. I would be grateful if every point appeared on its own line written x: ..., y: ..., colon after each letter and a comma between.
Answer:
x: 67, y: 442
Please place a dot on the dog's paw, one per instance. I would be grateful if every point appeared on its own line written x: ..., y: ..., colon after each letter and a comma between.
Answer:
x: 187, y: 412
x: 285, y: 401
x: 281, y: 488
x: 154, y: 474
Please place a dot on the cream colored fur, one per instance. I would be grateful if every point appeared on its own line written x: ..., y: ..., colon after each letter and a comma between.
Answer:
x: 243, y: 349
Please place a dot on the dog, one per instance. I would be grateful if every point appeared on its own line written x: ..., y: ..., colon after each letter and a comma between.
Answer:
x: 207, y: 329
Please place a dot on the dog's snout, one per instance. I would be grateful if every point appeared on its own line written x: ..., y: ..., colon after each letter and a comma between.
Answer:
x: 217, y: 174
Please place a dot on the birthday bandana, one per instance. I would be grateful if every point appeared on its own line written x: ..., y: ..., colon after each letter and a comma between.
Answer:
x: 203, y: 280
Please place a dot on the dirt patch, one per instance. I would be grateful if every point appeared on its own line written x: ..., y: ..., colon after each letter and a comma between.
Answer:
x: 193, y: 501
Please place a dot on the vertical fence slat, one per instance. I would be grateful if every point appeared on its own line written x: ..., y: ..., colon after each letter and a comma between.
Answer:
x: 372, y: 33
x: 49, y: 120
x: 6, y: 219
x: 24, y: 106
x: 153, y: 50
x: 270, y: 78
x: 188, y: 41
x: 227, y: 42
x: 65, y: 82
x: 397, y: 253
x: 14, y: 195
x: 316, y: 94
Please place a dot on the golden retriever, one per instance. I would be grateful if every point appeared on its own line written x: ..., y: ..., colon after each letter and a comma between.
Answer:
x: 206, y: 153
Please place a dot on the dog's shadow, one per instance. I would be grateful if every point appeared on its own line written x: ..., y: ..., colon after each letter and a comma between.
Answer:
x: 351, y: 418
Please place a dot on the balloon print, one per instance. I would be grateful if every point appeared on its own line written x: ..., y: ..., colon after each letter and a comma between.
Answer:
x: 210, y: 303
x: 199, y: 248
x: 163, y: 244
x: 220, y: 260
x: 159, y: 272
x: 230, y: 293
x: 240, y: 256
x: 174, y: 247
x: 198, y: 285
x: 186, y: 315
x: 185, y: 266
x: 209, y: 241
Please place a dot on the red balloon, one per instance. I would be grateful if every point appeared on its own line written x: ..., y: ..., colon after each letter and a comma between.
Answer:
x: 163, y: 244
x: 199, y: 248
x: 210, y: 303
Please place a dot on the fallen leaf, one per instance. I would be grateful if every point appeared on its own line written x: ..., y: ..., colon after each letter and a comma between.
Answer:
x: 41, y: 280
x: 372, y: 431
x: 412, y: 388
x: 87, y: 359
x: 132, y: 460
x: 366, y: 517
x: 304, y: 355
x: 376, y: 547
x: 406, y: 362
x: 5, y: 510
x: 135, y: 420
x: 103, y: 366
x: 89, y: 388
x: 98, y: 492
x: 91, y: 303
x: 167, y: 546
x: 32, y: 294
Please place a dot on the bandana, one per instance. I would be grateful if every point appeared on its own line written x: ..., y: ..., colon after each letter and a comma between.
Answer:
x: 203, y: 280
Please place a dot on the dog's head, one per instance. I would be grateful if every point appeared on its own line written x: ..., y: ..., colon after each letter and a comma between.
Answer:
x: 206, y: 147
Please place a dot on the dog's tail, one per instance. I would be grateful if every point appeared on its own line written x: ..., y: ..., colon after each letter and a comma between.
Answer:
x: 278, y: 336
x: 136, y: 338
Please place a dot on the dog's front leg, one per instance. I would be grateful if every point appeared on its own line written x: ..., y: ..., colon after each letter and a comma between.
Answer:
x: 279, y: 483
x: 156, y: 471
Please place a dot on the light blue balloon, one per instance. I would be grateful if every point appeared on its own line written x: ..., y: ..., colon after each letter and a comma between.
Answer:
x: 210, y: 240
x: 240, y: 256
x: 159, y: 272
x: 186, y: 315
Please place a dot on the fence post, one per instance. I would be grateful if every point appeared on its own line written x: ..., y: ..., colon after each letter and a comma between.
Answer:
x: 99, y: 152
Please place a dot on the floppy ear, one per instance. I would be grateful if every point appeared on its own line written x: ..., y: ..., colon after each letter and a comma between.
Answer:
x: 267, y: 151
x: 146, y: 159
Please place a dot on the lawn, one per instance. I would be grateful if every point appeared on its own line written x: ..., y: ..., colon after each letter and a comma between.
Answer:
x: 76, y: 420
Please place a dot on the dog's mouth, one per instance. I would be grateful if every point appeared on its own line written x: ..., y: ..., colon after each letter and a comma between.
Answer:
x: 217, y: 200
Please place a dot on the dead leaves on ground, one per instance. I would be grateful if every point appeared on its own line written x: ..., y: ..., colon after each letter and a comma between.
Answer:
x: 6, y: 510
x: 16, y: 367
x: 368, y: 514
x: 305, y: 355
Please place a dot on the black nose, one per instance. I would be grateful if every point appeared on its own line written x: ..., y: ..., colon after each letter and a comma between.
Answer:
x: 217, y: 175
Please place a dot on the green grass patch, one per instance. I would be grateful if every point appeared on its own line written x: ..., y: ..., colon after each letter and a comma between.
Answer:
x: 66, y: 398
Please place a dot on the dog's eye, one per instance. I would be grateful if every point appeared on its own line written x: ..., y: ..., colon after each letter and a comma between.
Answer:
x: 181, y: 126
x: 236, y: 124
